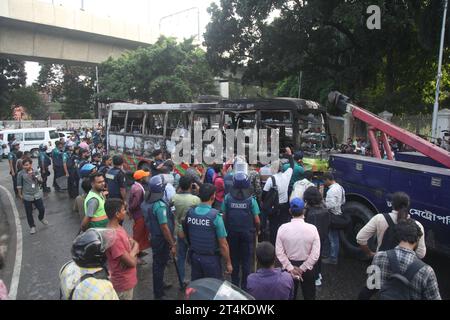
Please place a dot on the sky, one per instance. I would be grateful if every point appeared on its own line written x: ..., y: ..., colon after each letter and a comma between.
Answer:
x: 141, y: 11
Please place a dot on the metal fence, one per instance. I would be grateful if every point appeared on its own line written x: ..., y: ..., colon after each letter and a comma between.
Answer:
x: 418, y: 124
x: 69, y: 124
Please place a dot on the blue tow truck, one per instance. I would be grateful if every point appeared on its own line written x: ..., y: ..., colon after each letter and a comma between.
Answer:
x: 370, y: 182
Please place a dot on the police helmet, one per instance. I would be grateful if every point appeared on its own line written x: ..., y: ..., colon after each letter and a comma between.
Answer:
x: 88, y: 249
x: 157, y: 186
x: 241, y: 181
x: 42, y: 147
x: 87, y: 169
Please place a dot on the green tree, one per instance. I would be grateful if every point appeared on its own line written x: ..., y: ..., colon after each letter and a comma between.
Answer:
x: 28, y: 97
x: 165, y: 71
x: 78, y: 91
x: 12, y: 76
x: 50, y: 80
x: 329, y: 41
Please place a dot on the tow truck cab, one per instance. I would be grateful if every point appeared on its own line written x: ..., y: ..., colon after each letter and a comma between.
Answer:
x: 370, y: 183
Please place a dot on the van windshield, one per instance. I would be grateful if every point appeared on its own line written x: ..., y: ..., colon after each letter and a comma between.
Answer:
x: 54, y: 134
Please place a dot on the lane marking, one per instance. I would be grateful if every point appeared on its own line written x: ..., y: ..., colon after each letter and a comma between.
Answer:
x: 18, y: 262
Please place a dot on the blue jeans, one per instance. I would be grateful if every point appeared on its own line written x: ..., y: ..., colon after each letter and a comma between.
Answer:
x: 182, y: 248
x: 333, y: 236
x: 161, y: 251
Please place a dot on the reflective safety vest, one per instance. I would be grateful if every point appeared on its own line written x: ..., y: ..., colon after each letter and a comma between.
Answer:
x: 201, y: 232
x: 239, y: 216
x: 113, y: 185
x: 100, y: 212
x: 151, y: 220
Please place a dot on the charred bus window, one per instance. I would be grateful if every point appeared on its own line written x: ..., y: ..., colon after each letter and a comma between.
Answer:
x: 154, y: 125
x: 135, y: 122
x: 118, y: 121
x: 313, y: 137
x: 207, y: 120
x: 177, y: 120
x: 281, y: 120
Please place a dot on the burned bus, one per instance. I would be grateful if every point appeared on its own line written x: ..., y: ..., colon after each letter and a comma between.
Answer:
x: 136, y: 130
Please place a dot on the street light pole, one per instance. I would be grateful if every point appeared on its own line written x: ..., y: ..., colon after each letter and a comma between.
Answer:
x: 434, y: 133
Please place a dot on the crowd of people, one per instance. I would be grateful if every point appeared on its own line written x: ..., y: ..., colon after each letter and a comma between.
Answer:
x: 221, y: 219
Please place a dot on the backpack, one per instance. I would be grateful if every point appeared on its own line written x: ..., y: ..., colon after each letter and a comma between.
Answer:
x: 389, y: 240
x: 398, y: 285
x: 271, y: 200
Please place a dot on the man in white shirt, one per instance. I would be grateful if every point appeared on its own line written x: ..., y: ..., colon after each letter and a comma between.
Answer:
x: 282, y: 180
x: 334, y: 201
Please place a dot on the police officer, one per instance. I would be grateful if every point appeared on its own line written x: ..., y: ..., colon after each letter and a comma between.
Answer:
x: 43, y: 163
x: 83, y: 155
x: 160, y: 220
x: 115, y: 179
x: 72, y: 162
x: 59, y: 159
x: 106, y: 164
x: 12, y: 159
x: 205, y: 233
x: 241, y: 214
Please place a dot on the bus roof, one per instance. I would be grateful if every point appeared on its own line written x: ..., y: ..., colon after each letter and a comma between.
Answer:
x: 272, y: 104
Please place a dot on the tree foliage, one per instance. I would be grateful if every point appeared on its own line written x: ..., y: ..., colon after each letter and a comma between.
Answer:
x: 165, y: 71
x: 78, y: 92
x: 12, y: 76
x: 29, y: 98
x: 271, y: 41
x: 50, y: 80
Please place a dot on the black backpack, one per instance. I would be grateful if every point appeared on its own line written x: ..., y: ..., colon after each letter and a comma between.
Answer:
x: 398, y: 285
x: 271, y: 200
x: 389, y: 239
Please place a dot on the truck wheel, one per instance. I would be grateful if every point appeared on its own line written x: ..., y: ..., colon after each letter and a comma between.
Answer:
x: 360, y: 215
x: 34, y: 153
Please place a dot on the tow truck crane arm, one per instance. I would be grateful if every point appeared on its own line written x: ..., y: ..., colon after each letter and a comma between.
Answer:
x: 388, y: 129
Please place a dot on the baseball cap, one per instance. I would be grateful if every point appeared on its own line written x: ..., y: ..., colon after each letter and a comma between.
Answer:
x: 138, y: 175
x: 297, y: 205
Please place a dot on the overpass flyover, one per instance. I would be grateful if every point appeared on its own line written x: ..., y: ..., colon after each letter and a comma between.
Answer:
x: 36, y: 31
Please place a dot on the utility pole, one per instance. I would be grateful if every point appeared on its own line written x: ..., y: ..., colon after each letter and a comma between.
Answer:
x: 434, y: 133
x: 82, y: 5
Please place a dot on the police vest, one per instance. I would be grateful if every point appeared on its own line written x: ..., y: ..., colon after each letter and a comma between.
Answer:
x: 201, y: 232
x: 113, y: 185
x: 44, y: 160
x: 151, y: 220
x: 228, y: 182
x: 71, y: 163
x: 57, y: 159
x: 239, y: 216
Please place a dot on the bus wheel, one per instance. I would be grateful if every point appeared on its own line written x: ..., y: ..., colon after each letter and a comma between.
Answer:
x: 360, y: 215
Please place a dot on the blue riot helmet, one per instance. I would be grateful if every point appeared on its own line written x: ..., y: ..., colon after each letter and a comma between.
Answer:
x: 86, y: 170
x: 241, y: 181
